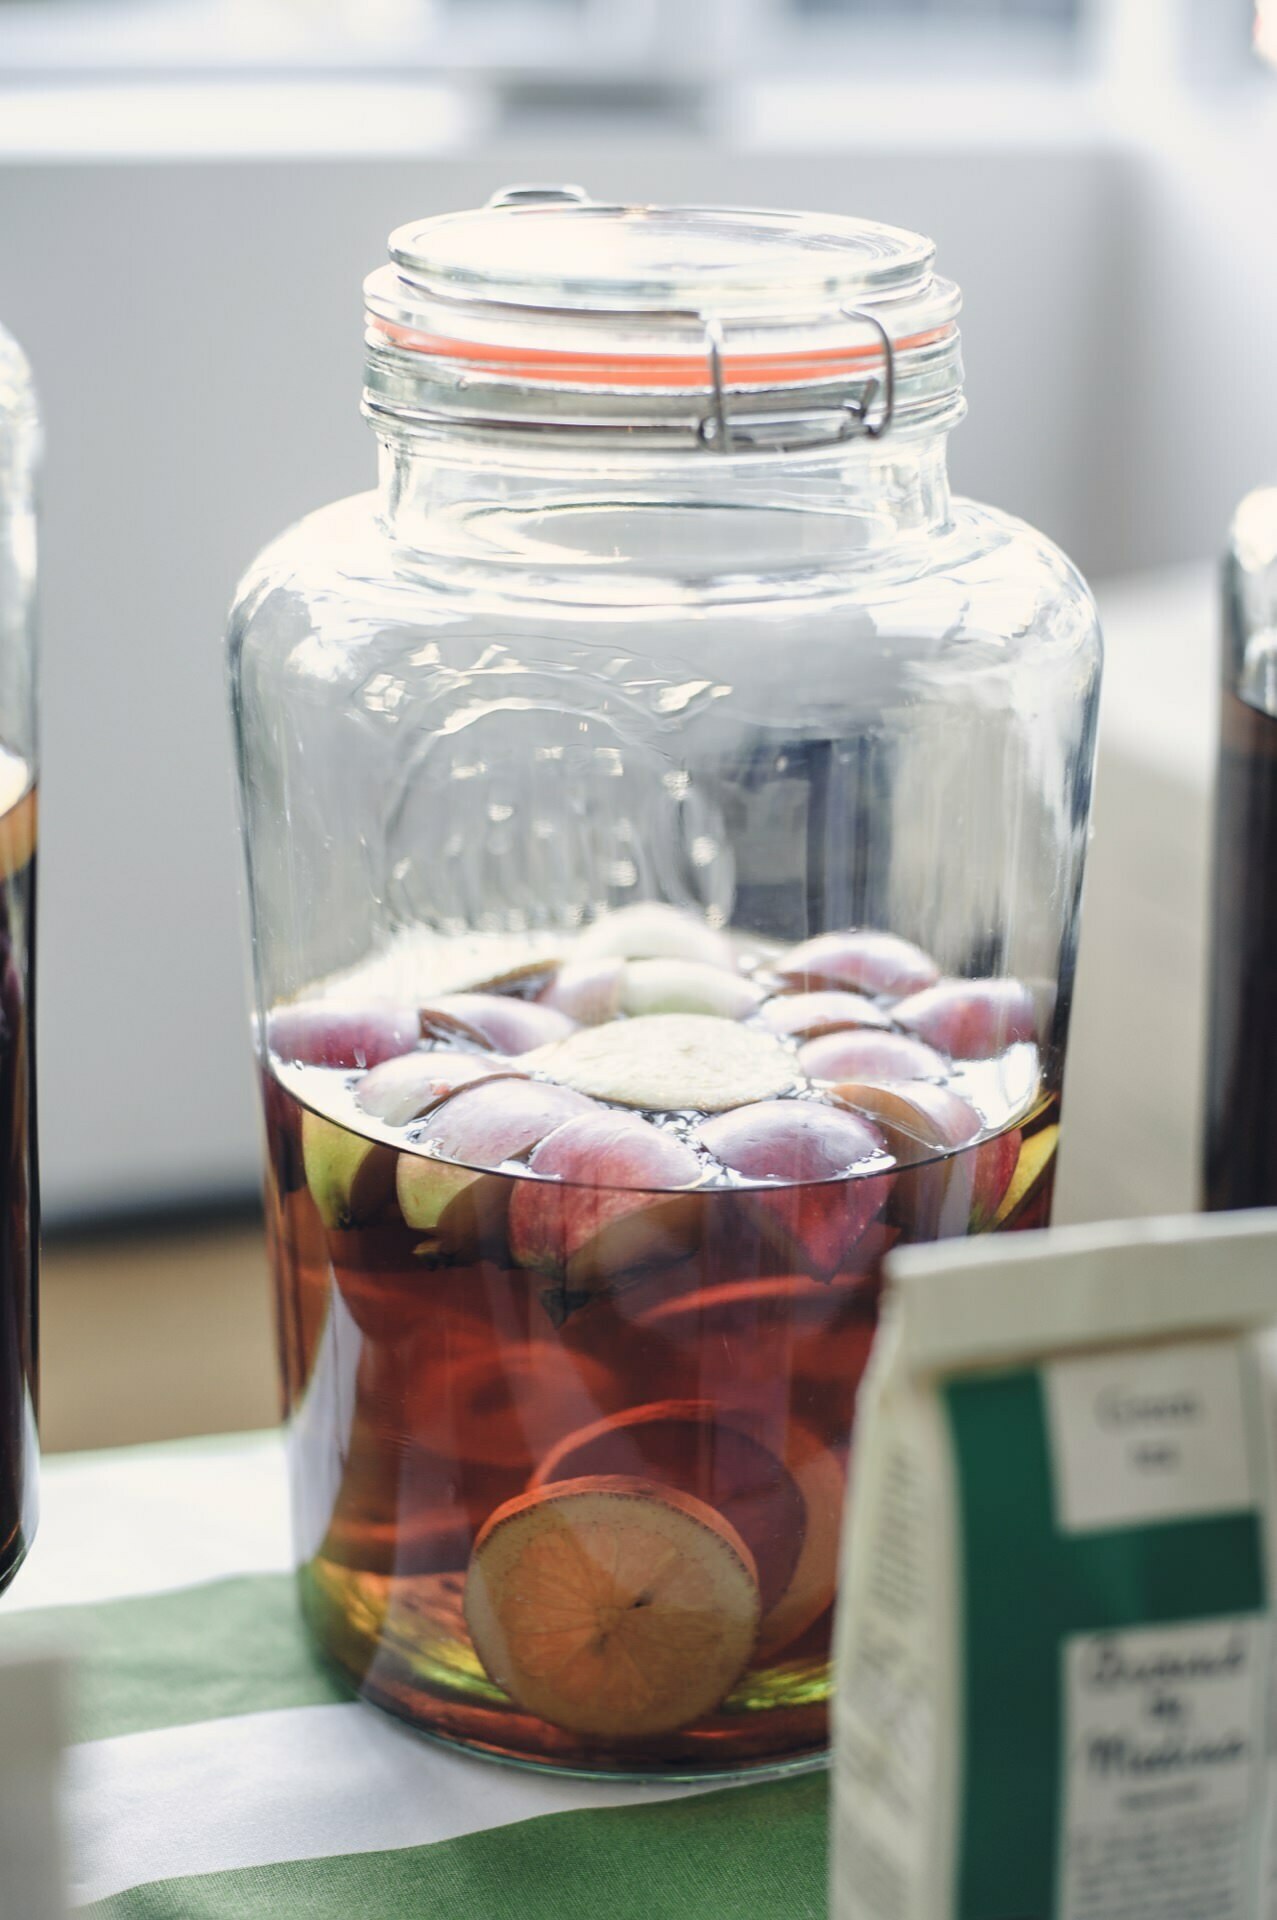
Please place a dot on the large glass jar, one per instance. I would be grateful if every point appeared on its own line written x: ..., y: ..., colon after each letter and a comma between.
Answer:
x: 1241, y: 1061
x: 19, y: 443
x: 665, y: 813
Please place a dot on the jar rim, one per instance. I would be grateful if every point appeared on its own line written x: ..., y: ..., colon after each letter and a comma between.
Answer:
x: 546, y: 305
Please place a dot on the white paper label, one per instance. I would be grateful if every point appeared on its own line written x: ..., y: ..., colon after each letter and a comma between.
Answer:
x: 1164, y: 1767
x: 31, y: 1733
x: 1148, y: 1435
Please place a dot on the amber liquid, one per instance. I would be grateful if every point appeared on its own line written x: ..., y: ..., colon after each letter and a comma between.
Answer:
x: 18, y: 1195
x: 1241, y: 1125
x: 421, y: 1397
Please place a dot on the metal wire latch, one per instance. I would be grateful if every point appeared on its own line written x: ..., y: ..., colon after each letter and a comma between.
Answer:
x: 783, y: 432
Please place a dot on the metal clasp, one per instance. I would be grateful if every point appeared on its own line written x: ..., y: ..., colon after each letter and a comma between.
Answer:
x: 778, y: 432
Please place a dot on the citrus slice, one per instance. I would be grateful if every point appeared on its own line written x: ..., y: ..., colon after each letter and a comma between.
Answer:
x: 611, y: 1606
x: 693, y: 1447
x: 671, y: 1062
x: 822, y: 1480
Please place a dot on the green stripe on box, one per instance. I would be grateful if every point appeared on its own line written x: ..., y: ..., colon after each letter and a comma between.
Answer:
x: 171, y: 1659
x: 1025, y: 1588
x: 751, y: 1853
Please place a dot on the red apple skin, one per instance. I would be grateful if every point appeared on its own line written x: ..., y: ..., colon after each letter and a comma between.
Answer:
x: 971, y: 1019
x: 613, y: 1197
x: 862, y: 960
x: 588, y: 992
x: 801, y: 1016
x: 815, y: 1219
x: 919, y: 1118
x: 496, y: 1020
x: 994, y: 1170
x: 480, y: 1127
x: 951, y: 1182
x: 409, y: 1086
x: 870, y: 1056
x: 321, y: 1033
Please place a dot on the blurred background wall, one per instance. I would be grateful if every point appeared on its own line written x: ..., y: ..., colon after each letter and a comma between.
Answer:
x: 189, y: 198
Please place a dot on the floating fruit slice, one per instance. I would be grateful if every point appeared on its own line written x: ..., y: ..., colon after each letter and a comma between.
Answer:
x: 18, y: 815
x: 697, y: 1448
x: 460, y: 1199
x: 687, y: 986
x: 612, y: 1607
x: 971, y: 1019
x: 920, y: 1119
x: 1035, y: 1161
x: 801, y: 1016
x: 783, y: 1349
x: 503, y: 1406
x: 350, y: 1177
x: 670, y: 1062
x: 863, y: 959
x: 323, y: 1033
x: 496, y: 1020
x: 650, y: 930
x: 587, y: 991
x: 588, y: 1219
x: 822, y: 1480
x: 823, y: 1164
x: 870, y: 1056
x: 995, y: 1165
x: 409, y: 1086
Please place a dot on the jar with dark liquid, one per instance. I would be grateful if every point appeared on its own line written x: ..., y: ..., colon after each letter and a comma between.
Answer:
x: 1241, y: 1119
x: 19, y: 438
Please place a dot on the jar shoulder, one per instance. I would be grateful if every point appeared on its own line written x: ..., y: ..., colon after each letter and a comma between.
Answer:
x: 337, y: 577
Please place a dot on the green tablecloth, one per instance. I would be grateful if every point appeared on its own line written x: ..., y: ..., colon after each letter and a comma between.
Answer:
x: 221, y: 1774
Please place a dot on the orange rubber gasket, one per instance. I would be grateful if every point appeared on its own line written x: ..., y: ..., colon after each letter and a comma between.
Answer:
x: 650, y: 370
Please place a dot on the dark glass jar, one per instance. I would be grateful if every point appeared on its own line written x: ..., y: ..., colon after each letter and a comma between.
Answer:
x: 1241, y: 1074
x: 19, y: 1211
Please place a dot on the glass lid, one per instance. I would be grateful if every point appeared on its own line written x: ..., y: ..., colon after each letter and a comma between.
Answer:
x: 545, y: 287
x: 735, y: 261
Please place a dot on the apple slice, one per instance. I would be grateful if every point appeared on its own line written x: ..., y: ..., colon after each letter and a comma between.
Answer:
x: 920, y: 1119
x: 411, y: 1085
x: 870, y: 1056
x: 960, y: 1191
x: 650, y: 930
x: 449, y: 1187
x: 608, y: 1202
x: 698, y: 1449
x: 862, y: 959
x: 687, y: 986
x: 671, y: 1063
x: 350, y: 1177
x: 1034, y: 1169
x: 324, y: 1033
x: 833, y: 1169
x: 495, y: 1020
x: 971, y: 1019
x: 587, y: 991
x: 995, y: 1165
x: 611, y: 1606
x: 801, y: 1016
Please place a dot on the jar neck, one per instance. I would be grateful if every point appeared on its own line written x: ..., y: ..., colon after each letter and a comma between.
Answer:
x: 562, y: 509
